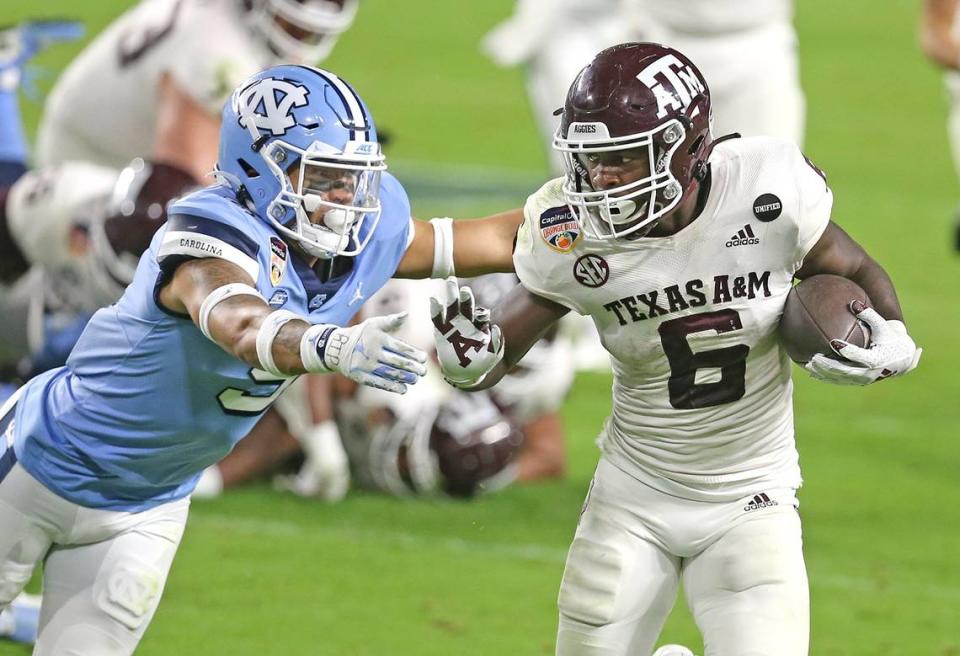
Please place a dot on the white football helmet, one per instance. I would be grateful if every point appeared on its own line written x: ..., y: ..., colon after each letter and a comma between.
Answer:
x: 301, y: 31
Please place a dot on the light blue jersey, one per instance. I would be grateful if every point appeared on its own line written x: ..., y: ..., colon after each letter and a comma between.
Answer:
x: 145, y: 401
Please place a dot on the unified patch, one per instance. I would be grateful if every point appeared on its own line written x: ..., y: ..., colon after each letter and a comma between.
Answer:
x: 767, y: 207
x: 559, y: 229
x: 278, y: 260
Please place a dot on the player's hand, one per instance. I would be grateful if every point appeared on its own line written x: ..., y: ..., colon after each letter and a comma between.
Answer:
x: 891, y: 353
x: 368, y: 354
x: 325, y: 473
x: 468, y: 347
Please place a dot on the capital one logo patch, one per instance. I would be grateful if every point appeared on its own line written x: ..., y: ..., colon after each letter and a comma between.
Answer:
x: 268, y: 105
x: 682, y: 86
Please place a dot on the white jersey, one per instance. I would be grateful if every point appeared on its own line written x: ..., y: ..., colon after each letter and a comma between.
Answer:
x: 103, y: 107
x: 702, y: 404
x: 711, y: 17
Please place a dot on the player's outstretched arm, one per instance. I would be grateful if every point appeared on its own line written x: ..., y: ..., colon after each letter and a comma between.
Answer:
x: 221, y: 301
x: 892, y: 351
x: 466, y: 247
x: 187, y: 135
x: 476, y: 350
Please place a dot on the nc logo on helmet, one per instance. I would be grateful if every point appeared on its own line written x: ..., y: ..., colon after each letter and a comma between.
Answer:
x: 682, y: 86
x: 268, y: 105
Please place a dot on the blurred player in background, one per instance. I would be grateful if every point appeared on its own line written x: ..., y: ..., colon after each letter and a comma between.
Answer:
x: 18, y: 45
x: 432, y: 439
x: 699, y: 469
x: 553, y: 40
x: 940, y: 41
x: 251, y: 282
x: 161, y: 72
x: 748, y: 50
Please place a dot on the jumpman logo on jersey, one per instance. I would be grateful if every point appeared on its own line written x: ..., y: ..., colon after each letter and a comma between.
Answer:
x: 357, y: 295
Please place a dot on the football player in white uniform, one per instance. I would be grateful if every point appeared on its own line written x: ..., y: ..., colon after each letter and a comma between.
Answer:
x: 682, y: 248
x: 162, y: 71
x: 940, y: 40
x: 747, y: 50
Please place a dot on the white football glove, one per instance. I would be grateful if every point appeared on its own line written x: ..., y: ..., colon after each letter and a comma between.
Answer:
x: 468, y: 347
x: 325, y: 473
x: 368, y: 354
x: 891, y: 353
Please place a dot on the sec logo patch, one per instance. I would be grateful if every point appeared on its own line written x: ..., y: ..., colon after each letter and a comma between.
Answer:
x: 559, y: 229
x: 591, y: 271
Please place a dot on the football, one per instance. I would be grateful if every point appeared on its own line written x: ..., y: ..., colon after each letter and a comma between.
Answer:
x: 818, y: 310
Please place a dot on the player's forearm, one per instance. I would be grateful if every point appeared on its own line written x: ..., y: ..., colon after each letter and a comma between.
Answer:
x: 466, y: 247
x: 491, y: 378
x: 187, y: 135
x: 879, y: 287
x: 938, y: 45
x: 544, y: 455
x: 236, y: 324
x: 482, y: 246
x: 936, y: 37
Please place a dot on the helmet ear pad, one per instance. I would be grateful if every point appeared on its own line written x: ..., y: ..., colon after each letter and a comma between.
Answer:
x: 696, y: 145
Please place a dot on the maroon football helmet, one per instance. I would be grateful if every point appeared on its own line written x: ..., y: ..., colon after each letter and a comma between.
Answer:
x: 460, y: 447
x: 641, y: 103
x: 134, y: 213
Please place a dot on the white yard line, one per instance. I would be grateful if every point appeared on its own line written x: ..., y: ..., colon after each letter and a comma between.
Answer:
x: 532, y: 552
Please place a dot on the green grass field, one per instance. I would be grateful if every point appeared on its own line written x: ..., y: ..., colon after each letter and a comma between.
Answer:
x: 259, y: 573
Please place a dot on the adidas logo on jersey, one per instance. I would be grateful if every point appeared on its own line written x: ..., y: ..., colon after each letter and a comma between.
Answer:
x: 744, y: 237
x: 759, y: 501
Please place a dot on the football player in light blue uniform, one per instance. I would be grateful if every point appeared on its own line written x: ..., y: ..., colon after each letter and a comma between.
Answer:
x: 250, y: 283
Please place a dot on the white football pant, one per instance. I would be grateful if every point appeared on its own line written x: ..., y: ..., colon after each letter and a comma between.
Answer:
x: 104, y: 570
x: 741, y: 564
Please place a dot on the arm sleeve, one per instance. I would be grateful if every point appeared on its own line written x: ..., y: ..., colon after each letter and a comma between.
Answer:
x: 193, y: 237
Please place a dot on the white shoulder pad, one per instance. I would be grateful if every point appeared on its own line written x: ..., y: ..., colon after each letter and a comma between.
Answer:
x: 815, y: 204
x: 545, y: 241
